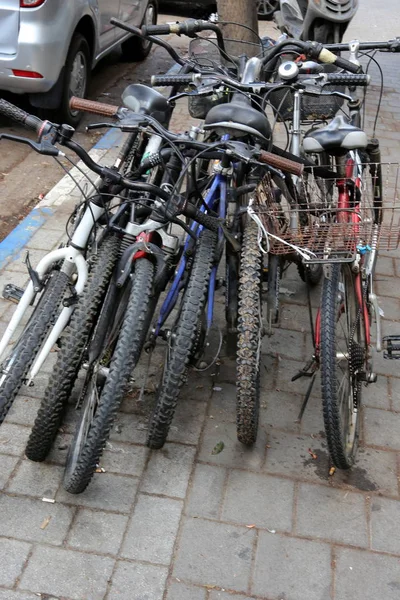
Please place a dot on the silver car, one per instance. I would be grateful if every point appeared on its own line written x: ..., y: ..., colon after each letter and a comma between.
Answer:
x: 48, y: 47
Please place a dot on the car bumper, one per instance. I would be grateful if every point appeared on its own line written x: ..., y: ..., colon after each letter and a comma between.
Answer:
x: 44, y: 57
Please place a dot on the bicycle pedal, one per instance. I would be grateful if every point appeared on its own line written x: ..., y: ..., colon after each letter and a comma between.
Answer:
x: 12, y: 292
x: 391, y: 347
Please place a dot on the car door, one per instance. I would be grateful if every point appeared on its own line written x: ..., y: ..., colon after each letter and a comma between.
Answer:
x: 107, y: 10
x: 131, y: 12
x: 9, y: 27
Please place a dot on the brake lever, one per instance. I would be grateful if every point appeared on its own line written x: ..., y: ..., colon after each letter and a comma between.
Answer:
x: 43, y: 147
x: 248, y: 154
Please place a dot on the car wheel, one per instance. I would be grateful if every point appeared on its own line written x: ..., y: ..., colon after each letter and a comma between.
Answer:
x: 135, y: 48
x: 266, y: 8
x: 76, y: 78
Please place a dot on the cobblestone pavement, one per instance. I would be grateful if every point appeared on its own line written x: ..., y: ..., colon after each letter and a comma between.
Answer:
x: 185, y: 523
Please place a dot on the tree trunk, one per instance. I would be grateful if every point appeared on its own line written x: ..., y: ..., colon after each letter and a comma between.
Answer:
x: 244, y: 12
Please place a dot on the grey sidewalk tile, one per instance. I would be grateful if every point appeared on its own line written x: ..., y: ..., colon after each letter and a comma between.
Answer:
x: 12, y: 595
x: 332, y: 514
x: 382, y: 366
x: 286, y: 370
x: 226, y: 596
x: 152, y: 531
x: 312, y: 422
x: 374, y: 471
x: 385, y: 266
x: 12, y: 558
x: 18, y: 264
x: 13, y: 438
x: 387, y: 286
x: 97, y: 531
x: 289, y: 454
x: 234, y: 454
x: 377, y: 394
x: 46, y: 239
x: 36, y: 479
x: 133, y: 581
x: 280, y: 409
x: 106, y: 491
x: 180, y: 591
x: 188, y: 419
x: 67, y: 573
x: 21, y: 518
x: 381, y: 428
x: 394, y: 386
x: 294, y: 316
x: 223, y: 402
x: 23, y: 411
x: 7, y: 465
x: 291, y: 568
x: 16, y: 278
x: 59, y: 451
x: 285, y: 343
x: 38, y: 388
x: 268, y: 371
x: 213, y: 553
x: 168, y: 471
x: 366, y: 576
x: 129, y: 428
x: 253, y: 499
x: 206, y: 492
x: 385, y: 525
x: 124, y: 459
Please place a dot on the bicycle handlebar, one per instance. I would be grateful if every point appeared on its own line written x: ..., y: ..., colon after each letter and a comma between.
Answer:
x: 97, y: 108
x: 20, y: 116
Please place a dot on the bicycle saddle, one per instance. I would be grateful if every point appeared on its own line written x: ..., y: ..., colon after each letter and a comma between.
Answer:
x: 238, y: 119
x: 145, y: 100
x: 337, y: 138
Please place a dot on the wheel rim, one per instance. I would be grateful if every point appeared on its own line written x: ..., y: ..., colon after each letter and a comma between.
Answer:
x: 349, y: 359
x: 78, y: 78
x: 267, y: 7
x: 149, y: 19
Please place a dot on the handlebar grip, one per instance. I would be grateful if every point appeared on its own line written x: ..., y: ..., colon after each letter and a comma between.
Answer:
x: 97, y: 108
x: 207, y: 221
x: 281, y: 163
x: 164, y: 29
x: 161, y: 80
x: 326, y: 56
x: 20, y: 116
x: 350, y: 79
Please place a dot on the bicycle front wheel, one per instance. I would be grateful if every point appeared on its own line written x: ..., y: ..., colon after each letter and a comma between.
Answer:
x: 343, y: 356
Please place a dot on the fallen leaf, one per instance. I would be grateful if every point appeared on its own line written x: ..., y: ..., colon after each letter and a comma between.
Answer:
x: 332, y: 471
x: 218, y: 448
x: 268, y: 446
x: 210, y: 587
x: 312, y: 454
x: 51, y: 500
x: 45, y: 523
x: 250, y: 526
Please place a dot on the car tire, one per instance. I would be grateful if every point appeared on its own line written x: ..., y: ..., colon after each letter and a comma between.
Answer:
x: 266, y: 9
x: 76, y: 78
x: 135, y: 48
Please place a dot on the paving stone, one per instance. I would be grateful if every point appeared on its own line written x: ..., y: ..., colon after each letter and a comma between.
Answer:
x: 129, y: 428
x: 36, y: 479
x: 13, y: 438
x: 23, y: 411
x: 106, y: 491
x: 394, y: 387
x: 180, y: 591
x: 285, y: 343
x: 168, y: 471
x: 222, y: 406
x: 21, y: 518
x: 253, y: 499
x: 18, y: 264
x: 382, y: 366
x: 377, y: 394
x: 234, y: 454
x: 268, y: 369
x: 152, y: 531
x: 124, y: 458
x: 312, y: 422
x: 335, y: 515
x: 59, y: 451
x: 46, y: 239
x: 38, y: 388
x: 188, y: 419
x: 366, y: 576
x: 206, y: 492
x: 18, y: 279
x: 290, y: 455
x: 133, y: 581
x: 291, y: 568
x: 381, y: 428
x: 12, y: 558
x: 213, y: 553
x: 67, y: 573
x: 387, y: 286
x: 97, y: 531
x: 374, y: 471
x: 385, y: 525
x: 286, y: 370
x: 280, y: 410
x: 294, y: 316
x: 12, y: 595
x: 7, y: 465
x: 225, y: 596
x: 385, y: 266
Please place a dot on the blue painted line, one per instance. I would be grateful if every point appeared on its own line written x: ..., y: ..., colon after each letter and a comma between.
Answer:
x: 12, y: 245
x: 111, y: 139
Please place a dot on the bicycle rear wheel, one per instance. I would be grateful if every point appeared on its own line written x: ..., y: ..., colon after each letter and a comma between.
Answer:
x: 343, y: 357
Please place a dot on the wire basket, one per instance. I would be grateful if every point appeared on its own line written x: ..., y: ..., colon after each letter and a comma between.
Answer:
x: 314, y: 229
x: 313, y: 108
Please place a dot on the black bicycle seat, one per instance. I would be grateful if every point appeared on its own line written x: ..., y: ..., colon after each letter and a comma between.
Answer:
x: 145, y: 100
x: 238, y: 119
x: 337, y: 138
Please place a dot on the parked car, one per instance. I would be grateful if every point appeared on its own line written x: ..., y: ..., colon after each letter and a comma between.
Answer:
x: 266, y: 8
x: 48, y: 47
